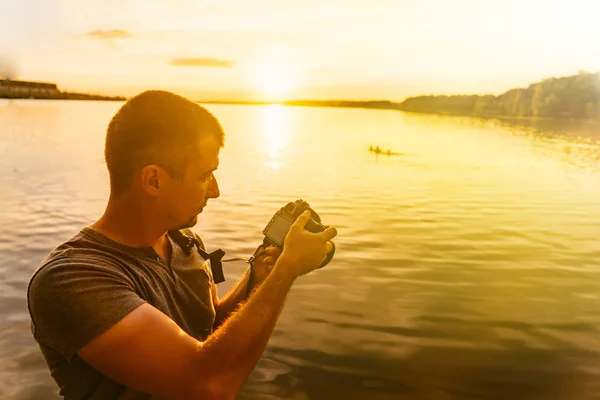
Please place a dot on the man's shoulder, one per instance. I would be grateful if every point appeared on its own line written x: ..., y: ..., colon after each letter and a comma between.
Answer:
x: 79, y: 250
x: 78, y: 291
x: 74, y: 267
x: 77, y: 245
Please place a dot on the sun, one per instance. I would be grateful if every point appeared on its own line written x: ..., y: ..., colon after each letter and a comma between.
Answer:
x: 275, y: 78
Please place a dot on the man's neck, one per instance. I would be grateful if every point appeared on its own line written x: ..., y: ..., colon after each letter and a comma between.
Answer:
x: 129, y: 221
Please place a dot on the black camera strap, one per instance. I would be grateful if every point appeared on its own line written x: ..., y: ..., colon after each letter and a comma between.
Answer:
x: 188, y: 242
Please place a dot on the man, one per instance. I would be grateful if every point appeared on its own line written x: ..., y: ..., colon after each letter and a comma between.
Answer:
x: 120, y: 310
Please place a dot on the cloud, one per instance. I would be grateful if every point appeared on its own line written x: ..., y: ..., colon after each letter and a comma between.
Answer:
x: 324, y: 70
x: 109, y: 34
x: 202, y: 62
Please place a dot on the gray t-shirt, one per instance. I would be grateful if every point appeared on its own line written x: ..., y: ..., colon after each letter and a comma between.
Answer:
x: 89, y: 283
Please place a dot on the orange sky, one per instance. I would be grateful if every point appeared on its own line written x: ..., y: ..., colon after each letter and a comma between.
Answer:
x: 313, y: 49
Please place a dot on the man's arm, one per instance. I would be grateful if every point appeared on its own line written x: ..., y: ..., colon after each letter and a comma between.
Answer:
x: 147, y: 351
x: 237, y: 294
x: 231, y: 301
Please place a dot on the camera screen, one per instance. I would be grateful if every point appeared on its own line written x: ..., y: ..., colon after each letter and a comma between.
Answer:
x: 278, y: 229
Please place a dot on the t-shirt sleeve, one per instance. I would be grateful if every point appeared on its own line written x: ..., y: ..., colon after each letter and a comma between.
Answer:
x: 72, y: 301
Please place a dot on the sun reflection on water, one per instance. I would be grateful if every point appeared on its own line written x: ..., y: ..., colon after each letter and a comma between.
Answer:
x: 275, y: 121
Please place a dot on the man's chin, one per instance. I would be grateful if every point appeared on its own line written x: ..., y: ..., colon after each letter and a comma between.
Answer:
x: 189, y: 223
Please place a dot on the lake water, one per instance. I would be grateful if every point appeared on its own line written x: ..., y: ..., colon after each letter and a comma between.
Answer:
x: 468, y: 267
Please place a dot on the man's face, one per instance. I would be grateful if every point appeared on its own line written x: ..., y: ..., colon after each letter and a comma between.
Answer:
x: 187, y: 197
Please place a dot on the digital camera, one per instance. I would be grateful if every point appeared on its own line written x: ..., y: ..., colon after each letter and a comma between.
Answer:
x: 279, y: 226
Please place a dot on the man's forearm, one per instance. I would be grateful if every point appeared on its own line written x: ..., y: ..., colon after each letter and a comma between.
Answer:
x: 240, y: 341
x: 235, y: 296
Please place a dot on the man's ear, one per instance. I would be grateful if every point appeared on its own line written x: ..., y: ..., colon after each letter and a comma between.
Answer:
x: 150, y: 176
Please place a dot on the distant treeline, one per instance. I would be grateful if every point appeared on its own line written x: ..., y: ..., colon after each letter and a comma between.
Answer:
x: 378, y: 104
x: 570, y: 97
x: 575, y: 96
x: 10, y: 89
x: 60, y: 96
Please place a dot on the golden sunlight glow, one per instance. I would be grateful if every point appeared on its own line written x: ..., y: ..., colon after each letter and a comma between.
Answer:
x: 275, y: 78
x: 306, y: 50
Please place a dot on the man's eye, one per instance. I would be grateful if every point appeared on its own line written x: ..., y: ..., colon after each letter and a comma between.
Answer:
x: 206, y: 178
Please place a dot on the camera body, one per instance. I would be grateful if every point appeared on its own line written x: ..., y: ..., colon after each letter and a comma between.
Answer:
x: 278, y: 227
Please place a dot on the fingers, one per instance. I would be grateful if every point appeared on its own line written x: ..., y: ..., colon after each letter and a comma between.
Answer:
x: 269, y: 255
x: 268, y: 260
x: 273, y: 251
x: 329, y: 233
x: 300, y: 223
x: 329, y: 247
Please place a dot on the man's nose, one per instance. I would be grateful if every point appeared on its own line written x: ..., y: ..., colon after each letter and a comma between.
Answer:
x: 213, y: 189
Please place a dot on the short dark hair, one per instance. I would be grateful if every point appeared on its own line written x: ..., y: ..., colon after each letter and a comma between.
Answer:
x: 156, y: 127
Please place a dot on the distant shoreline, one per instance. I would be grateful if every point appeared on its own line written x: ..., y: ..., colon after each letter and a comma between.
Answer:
x: 320, y: 104
x: 317, y: 104
x: 393, y: 107
x: 26, y: 90
x: 570, y: 98
x: 67, y: 96
x: 567, y: 98
x: 373, y: 105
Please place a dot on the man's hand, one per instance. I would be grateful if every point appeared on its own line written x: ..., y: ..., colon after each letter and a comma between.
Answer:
x: 304, y: 251
x: 263, y: 264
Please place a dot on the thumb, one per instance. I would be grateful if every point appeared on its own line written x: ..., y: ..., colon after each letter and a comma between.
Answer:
x: 300, y: 223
